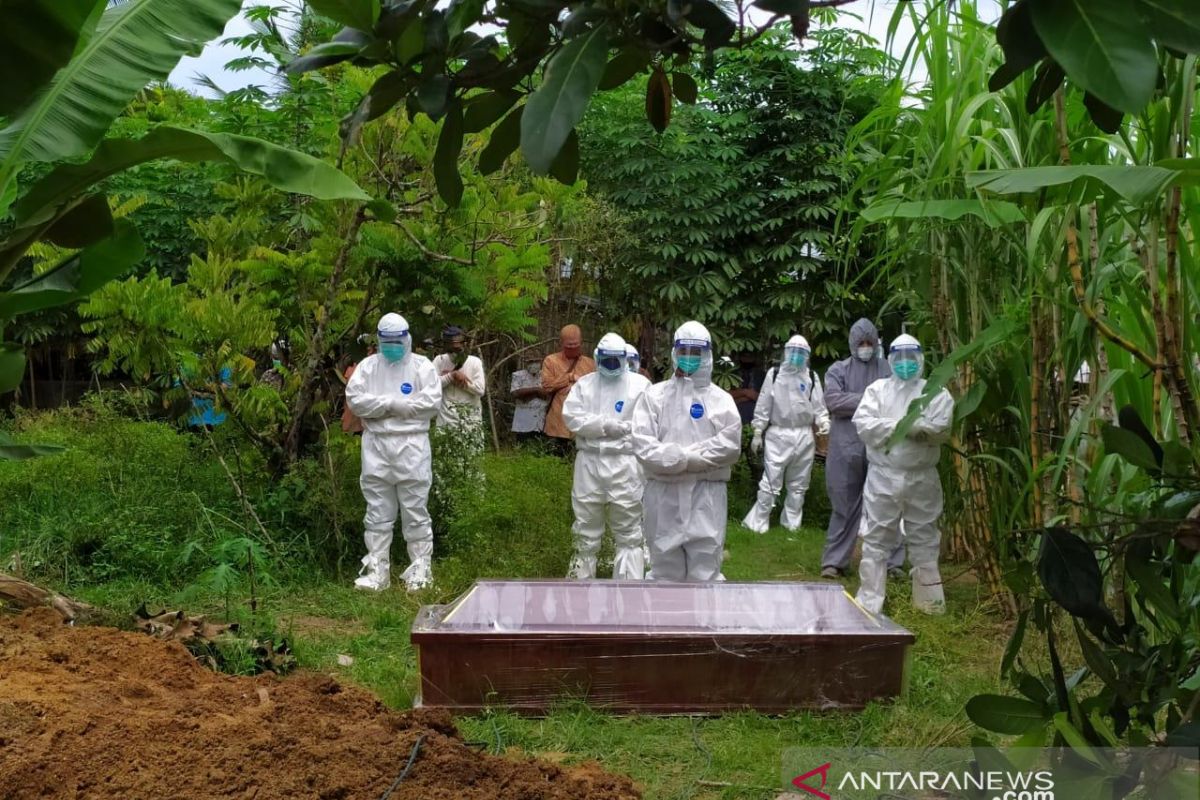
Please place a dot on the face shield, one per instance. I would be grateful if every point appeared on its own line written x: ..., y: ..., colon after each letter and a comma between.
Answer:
x: 906, y: 360
x: 395, y: 345
x: 610, y: 363
x: 688, y: 354
x: 795, y: 356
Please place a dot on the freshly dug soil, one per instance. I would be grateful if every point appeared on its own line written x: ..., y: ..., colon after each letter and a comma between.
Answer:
x: 101, y: 713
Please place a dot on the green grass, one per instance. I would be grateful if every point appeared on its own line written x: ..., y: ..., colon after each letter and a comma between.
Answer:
x: 955, y: 657
x: 107, y: 508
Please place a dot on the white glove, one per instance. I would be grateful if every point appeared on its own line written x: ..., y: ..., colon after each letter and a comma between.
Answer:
x: 696, y: 462
x: 756, y: 444
x: 400, y: 407
x: 616, y: 427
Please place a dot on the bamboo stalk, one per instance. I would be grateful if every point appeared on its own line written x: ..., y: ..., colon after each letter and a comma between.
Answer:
x: 1035, y: 410
x: 1076, y: 266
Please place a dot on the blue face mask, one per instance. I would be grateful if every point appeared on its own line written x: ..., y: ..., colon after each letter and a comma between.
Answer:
x: 393, y: 351
x: 688, y: 364
x: 797, y: 359
x: 906, y: 370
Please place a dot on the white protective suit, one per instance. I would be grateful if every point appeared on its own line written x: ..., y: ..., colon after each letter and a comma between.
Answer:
x: 789, y: 404
x: 395, y: 401
x: 687, y: 435
x: 902, y: 483
x: 608, y: 479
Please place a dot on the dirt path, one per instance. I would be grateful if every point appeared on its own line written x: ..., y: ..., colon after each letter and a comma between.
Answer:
x: 100, y: 713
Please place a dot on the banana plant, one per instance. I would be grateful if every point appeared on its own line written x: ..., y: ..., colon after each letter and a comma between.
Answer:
x: 71, y: 67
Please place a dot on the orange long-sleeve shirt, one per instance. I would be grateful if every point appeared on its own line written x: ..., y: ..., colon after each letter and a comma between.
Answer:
x: 559, y: 375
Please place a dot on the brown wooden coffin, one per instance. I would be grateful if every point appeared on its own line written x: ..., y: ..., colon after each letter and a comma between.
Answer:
x: 656, y: 647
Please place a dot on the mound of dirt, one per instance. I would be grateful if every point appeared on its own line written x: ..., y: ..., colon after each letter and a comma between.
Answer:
x: 100, y: 713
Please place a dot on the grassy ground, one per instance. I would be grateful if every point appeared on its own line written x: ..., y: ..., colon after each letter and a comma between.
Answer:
x: 108, y: 523
x: 956, y: 656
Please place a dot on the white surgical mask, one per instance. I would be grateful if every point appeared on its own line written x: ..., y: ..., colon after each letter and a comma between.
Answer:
x: 865, y: 353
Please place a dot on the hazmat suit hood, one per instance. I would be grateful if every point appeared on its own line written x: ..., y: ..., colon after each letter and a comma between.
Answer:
x: 796, y: 341
x: 906, y: 347
x: 394, y: 336
x: 863, y: 329
x: 693, y: 331
x: 610, y: 344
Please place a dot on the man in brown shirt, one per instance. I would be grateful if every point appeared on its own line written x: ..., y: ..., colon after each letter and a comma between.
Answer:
x: 559, y: 373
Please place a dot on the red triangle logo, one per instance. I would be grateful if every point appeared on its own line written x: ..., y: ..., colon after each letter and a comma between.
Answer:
x: 800, y: 781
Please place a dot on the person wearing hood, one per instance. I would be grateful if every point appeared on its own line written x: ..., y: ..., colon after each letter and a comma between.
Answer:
x: 687, y: 435
x: 902, y: 485
x: 635, y: 361
x: 846, y: 461
x: 789, y: 405
x: 608, y: 481
x: 396, y: 393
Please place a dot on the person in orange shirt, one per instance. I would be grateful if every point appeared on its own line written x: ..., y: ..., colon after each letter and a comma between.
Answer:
x: 350, y: 423
x: 559, y: 372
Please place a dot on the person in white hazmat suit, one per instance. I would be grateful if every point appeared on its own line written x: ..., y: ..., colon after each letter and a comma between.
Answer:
x: 902, y: 481
x: 789, y: 404
x: 608, y: 479
x: 395, y: 393
x: 687, y: 436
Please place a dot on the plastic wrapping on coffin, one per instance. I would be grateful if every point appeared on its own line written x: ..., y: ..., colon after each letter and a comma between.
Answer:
x: 653, y: 647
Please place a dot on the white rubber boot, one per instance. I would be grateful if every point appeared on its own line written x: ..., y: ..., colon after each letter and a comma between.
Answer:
x: 759, y: 518
x: 928, y: 596
x: 873, y: 587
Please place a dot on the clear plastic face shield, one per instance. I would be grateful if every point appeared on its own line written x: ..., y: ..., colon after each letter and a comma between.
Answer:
x: 688, y: 355
x: 610, y: 363
x: 633, y: 362
x: 795, y: 356
x: 906, y: 361
x: 394, y: 345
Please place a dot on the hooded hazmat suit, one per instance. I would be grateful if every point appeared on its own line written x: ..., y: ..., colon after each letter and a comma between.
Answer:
x: 608, y: 479
x: 846, y: 461
x: 789, y: 404
x: 902, y: 483
x: 687, y: 435
x: 395, y: 399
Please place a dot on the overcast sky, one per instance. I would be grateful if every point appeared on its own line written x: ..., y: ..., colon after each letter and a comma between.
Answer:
x: 867, y: 15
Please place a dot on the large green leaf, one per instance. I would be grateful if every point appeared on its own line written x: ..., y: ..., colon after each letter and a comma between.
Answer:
x: 993, y: 213
x: 12, y: 451
x: 445, y: 157
x: 504, y: 140
x: 1007, y: 715
x: 552, y: 112
x: 12, y: 366
x: 78, y: 275
x: 359, y: 14
x: 1173, y: 23
x: 1070, y: 573
x: 1129, y: 446
x: 1103, y: 46
x: 1136, y: 184
x: 36, y: 40
x: 136, y: 42
x: 285, y: 169
x: 86, y: 223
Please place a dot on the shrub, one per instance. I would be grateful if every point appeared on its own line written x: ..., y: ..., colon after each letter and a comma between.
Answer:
x: 125, y: 500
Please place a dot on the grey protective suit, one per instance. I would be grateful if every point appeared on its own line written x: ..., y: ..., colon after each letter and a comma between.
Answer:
x: 846, y: 462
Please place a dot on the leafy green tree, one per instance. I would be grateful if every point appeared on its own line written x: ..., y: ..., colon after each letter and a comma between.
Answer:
x: 94, y: 61
x: 734, y: 204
